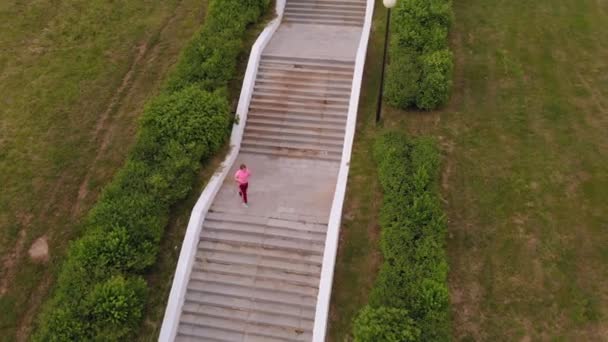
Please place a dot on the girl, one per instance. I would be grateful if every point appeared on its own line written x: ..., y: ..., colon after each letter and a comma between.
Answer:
x: 242, y: 179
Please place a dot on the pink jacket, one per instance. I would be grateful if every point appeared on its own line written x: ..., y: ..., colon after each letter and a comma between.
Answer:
x: 242, y: 176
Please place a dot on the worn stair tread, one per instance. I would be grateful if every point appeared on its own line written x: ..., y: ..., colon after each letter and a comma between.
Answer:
x: 253, y: 282
x: 293, y: 257
x: 323, y: 14
x: 285, y: 153
x: 258, y: 294
x: 302, y: 110
x: 287, y: 104
x: 302, y: 131
x: 312, y: 61
x: 354, y: 8
x: 319, y: 92
x: 262, y: 241
x: 300, y: 98
x: 280, y: 139
x: 294, y: 145
x: 188, y: 332
x: 309, y: 85
x: 307, y: 277
x: 290, y: 116
x: 250, y: 304
x: 328, y: 3
x: 325, y: 22
x: 308, y: 64
x: 264, y: 230
x: 248, y: 315
x: 270, y: 221
x: 319, y: 126
x: 250, y: 328
x: 257, y: 107
x: 300, y: 77
x: 300, y: 71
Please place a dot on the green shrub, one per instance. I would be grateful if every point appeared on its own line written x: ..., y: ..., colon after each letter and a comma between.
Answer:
x: 116, y: 306
x: 414, y: 273
x: 384, y: 325
x: 419, y: 73
x: 402, y: 80
x: 436, y: 80
x: 209, y: 61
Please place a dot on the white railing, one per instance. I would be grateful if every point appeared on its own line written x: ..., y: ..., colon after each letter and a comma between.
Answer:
x: 188, y: 252
x: 335, y: 217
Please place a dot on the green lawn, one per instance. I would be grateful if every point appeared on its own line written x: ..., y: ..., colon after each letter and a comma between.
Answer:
x: 74, y: 76
x: 525, y: 174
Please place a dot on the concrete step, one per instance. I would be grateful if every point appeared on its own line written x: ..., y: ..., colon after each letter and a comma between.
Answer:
x: 318, y: 148
x: 209, y: 246
x: 271, y: 108
x: 237, y: 291
x: 299, y: 276
x: 298, y: 132
x: 276, y: 107
x: 326, y: 85
x: 289, y: 104
x: 307, y: 66
x: 288, y: 96
x: 346, y: 8
x: 194, y: 333
x: 298, y: 129
x: 269, y: 221
x: 306, y: 63
x: 295, y: 71
x: 269, y: 333
x: 320, y: 92
x: 278, y: 139
x: 254, y: 283
x: 327, y: 22
x: 318, y: 126
x: 331, y: 10
x: 285, y: 265
x: 289, y: 153
x: 292, y: 143
x: 247, y: 315
x: 323, y: 14
x: 249, y: 304
x: 294, y: 117
x: 282, y: 76
x: 254, y: 229
x: 261, y: 240
x: 326, y: 4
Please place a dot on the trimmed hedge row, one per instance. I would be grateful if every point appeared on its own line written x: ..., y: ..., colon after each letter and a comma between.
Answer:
x: 210, y: 60
x: 100, y: 294
x: 420, y: 68
x: 412, y: 280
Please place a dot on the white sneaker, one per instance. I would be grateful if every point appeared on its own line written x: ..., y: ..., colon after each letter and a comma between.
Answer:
x: 245, y: 205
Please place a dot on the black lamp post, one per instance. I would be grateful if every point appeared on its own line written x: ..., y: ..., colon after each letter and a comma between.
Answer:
x: 388, y: 4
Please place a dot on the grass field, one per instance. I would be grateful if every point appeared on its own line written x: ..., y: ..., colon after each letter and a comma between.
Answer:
x: 74, y: 76
x: 525, y: 175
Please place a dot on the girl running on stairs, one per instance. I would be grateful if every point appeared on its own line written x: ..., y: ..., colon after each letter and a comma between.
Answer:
x: 242, y: 179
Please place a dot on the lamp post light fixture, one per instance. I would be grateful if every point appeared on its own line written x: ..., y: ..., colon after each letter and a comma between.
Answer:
x: 388, y: 4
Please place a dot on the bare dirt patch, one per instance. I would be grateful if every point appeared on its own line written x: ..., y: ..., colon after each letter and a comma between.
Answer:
x: 39, y: 251
x: 103, y: 129
x: 9, y: 263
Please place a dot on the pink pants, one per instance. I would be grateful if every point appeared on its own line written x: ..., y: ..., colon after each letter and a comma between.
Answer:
x: 243, y: 191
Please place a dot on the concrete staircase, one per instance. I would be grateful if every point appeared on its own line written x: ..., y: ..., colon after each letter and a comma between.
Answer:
x: 254, y: 279
x: 299, y: 108
x: 325, y: 12
x: 255, y: 273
